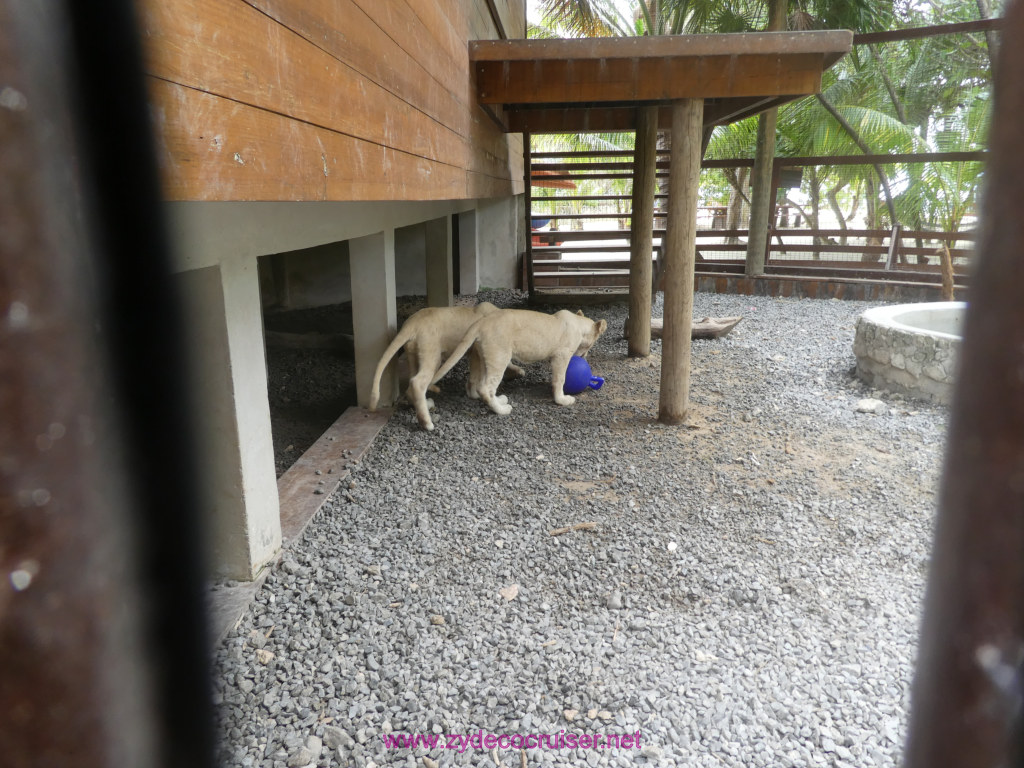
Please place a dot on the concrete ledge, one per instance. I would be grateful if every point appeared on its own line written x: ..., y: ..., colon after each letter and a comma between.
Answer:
x: 853, y: 289
x: 303, y: 490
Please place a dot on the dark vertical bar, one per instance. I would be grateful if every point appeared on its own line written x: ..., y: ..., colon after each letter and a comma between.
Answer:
x: 456, y: 257
x: 773, y: 204
x: 143, y: 326
x: 102, y: 630
x: 967, y: 702
x: 71, y: 692
x: 528, y: 178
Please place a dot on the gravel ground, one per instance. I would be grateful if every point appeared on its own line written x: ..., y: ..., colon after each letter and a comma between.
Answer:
x: 748, y: 594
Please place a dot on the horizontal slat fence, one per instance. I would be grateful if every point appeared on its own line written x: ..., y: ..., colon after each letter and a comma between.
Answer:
x: 581, y: 235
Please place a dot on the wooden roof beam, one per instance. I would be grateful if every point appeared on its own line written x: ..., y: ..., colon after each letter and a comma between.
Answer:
x: 654, y: 69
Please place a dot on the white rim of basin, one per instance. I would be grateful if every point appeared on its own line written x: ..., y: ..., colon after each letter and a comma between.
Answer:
x: 919, y: 318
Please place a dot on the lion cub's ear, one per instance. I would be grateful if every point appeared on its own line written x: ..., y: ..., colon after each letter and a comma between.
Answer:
x: 601, y: 325
x: 579, y: 312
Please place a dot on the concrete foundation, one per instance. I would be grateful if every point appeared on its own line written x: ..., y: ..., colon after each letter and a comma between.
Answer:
x: 312, y: 254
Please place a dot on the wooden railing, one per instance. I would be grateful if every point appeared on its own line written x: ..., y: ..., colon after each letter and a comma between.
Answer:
x: 558, y: 257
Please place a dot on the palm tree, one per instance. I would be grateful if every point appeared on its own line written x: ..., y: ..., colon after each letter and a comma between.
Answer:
x: 877, y: 101
x: 602, y: 17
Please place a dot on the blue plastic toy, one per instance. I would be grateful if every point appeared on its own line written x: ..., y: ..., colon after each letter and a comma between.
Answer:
x: 579, y: 378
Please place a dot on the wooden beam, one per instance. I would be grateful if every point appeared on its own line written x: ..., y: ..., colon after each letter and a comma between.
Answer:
x: 724, y: 111
x: 642, y: 232
x: 829, y: 43
x: 566, y: 118
x: 679, y: 251
x: 981, y: 25
x: 639, y: 80
x: 571, y: 119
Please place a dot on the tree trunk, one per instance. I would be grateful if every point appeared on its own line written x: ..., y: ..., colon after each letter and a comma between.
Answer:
x: 734, y: 213
x: 814, y: 196
x: 871, y: 218
x: 837, y: 211
x: 985, y: 12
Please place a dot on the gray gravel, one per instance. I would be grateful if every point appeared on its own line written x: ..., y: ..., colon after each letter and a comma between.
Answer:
x: 748, y: 596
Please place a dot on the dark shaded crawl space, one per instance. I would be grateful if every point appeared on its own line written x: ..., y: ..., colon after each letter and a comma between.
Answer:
x: 308, y: 387
x: 311, y: 373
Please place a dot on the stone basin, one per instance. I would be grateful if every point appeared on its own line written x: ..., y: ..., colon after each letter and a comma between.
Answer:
x: 910, y: 348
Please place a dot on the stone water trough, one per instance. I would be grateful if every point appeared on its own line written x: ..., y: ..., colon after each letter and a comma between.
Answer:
x: 910, y: 348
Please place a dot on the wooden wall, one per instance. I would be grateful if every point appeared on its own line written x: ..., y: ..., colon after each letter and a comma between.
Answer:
x: 326, y: 99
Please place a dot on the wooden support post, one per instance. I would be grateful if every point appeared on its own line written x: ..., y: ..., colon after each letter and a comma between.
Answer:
x: 642, y: 232
x: 680, y: 244
x: 894, y: 246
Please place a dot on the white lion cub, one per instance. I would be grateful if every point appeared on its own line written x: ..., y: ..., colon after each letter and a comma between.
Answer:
x: 528, y: 337
x: 426, y: 336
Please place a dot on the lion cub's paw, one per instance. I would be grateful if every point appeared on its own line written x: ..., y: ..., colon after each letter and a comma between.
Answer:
x: 500, y: 405
x: 430, y: 403
x: 565, y: 399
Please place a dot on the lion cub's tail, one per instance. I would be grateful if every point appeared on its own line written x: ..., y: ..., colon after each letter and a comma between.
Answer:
x: 472, y: 334
x: 400, y: 340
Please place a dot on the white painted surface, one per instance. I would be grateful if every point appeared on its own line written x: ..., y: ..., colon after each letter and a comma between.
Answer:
x: 206, y: 233
x: 500, y: 230
x: 469, y: 253
x: 225, y: 335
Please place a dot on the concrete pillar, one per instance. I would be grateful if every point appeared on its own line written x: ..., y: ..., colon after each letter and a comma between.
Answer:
x: 469, y: 253
x: 374, y: 318
x: 233, y: 416
x: 500, y: 223
x: 410, y: 260
x: 437, y: 235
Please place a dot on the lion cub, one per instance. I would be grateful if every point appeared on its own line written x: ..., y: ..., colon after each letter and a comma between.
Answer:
x: 426, y: 336
x: 528, y: 337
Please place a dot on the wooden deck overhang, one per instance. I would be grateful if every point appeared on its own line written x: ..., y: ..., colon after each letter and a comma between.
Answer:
x: 596, y: 84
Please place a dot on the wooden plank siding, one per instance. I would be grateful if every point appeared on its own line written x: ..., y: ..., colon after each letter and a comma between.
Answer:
x: 345, y: 100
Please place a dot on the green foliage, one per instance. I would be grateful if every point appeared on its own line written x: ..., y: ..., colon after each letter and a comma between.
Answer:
x: 922, y: 95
